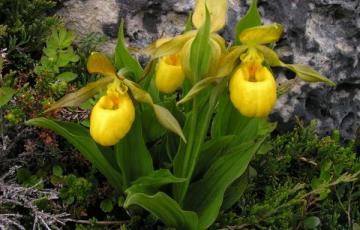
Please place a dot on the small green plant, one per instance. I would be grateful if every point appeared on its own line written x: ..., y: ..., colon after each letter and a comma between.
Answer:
x: 58, y: 54
x: 74, y: 190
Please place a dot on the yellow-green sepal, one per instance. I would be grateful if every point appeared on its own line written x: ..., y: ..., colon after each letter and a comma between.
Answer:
x: 82, y: 95
x: 308, y: 74
x: 217, y: 10
x: 270, y: 56
x: 168, y: 46
x: 99, y: 63
x: 261, y: 34
x: 163, y: 115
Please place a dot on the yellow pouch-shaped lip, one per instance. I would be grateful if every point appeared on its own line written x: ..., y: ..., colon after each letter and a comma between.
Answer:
x: 111, y: 119
x: 253, y: 96
x: 169, y: 74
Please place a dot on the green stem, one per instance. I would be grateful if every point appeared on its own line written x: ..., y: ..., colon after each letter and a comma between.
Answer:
x: 196, y: 129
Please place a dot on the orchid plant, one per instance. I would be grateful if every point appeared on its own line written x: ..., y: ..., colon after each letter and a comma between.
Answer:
x: 213, y: 99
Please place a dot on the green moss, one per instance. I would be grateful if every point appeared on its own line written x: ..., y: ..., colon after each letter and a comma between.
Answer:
x: 24, y: 28
x: 301, y: 179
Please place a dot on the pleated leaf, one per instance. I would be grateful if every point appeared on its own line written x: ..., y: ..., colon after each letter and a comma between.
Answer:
x: 123, y: 57
x: 80, y: 138
x: 132, y: 155
x: 217, y: 179
x: 165, y: 208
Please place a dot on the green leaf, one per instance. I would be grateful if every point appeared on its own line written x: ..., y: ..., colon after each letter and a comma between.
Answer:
x: 197, y: 88
x: 228, y: 121
x: 150, y: 184
x: 65, y: 38
x: 66, y: 56
x: 67, y: 76
x: 217, y: 179
x: 165, y: 208
x: 201, y: 51
x: 188, y: 25
x: 312, y: 222
x: 306, y: 73
x: 158, y: 178
x: 252, y: 18
x: 132, y: 155
x: 196, y: 128
x: 123, y: 57
x: 234, y: 192
x: 106, y: 205
x: 211, y: 151
x: 82, y: 95
x: 152, y: 129
x: 79, y: 137
x: 6, y: 93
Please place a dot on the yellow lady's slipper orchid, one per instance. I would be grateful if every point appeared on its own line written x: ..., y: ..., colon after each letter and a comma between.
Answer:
x: 112, y: 116
x: 169, y: 74
x: 253, y: 94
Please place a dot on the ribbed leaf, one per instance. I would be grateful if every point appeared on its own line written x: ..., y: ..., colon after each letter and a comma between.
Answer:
x: 228, y: 121
x: 166, y: 209
x: 196, y: 127
x: 235, y: 191
x: 211, y: 151
x: 132, y: 155
x: 159, y: 178
x: 123, y: 57
x: 201, y: 51
x: 217, y: 179
x: 79, y: 137
x: 197, y: 88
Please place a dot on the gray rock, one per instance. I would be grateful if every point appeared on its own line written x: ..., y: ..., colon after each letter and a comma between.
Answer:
x: 322, y: 33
